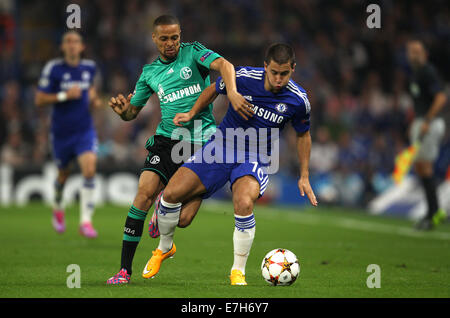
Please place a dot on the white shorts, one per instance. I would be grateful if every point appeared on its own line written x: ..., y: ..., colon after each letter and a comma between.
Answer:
x: 429, y: 148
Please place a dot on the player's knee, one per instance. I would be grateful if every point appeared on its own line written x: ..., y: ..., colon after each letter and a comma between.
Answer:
x: 171, y: 195
x: 143, y: 199
x: 243, y: 206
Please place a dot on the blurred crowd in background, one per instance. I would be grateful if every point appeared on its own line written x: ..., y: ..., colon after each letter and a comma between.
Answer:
x: 356, y: 78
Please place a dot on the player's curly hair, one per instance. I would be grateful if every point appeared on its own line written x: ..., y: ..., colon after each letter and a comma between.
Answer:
x: 281, y: 53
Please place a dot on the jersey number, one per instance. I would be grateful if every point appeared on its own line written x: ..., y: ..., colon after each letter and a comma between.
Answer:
x: 260, y: 172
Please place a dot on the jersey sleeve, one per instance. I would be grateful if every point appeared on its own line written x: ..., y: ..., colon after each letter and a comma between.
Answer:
x: 203, y: 56
x: 48, y: 83
x: 220, y: 84
x: 301, y: 118
x: 142, y: 92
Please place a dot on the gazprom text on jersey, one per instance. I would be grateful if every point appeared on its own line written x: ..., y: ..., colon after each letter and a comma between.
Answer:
x: 184, y: 92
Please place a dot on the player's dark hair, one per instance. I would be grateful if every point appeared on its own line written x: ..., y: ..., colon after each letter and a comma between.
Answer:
x: 165, y: 19
x: 280, y: 53
x: 74, y: 32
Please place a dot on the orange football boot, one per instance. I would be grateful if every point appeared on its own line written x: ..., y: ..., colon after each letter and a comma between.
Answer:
x: 154, y: 263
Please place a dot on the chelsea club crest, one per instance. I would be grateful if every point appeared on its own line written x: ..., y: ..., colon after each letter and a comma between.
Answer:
x: 281, y: 108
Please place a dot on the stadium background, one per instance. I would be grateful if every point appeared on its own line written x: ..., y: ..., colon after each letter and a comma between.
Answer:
x: 356, y: 79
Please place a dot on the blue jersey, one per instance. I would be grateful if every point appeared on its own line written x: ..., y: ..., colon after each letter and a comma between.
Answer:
x: 72, y: 116
x: 270, y: 110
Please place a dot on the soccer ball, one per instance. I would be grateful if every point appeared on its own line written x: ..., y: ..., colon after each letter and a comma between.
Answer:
x: 280, y: 267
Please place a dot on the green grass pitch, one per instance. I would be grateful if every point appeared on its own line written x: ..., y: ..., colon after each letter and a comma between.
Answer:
x: 334, y: 248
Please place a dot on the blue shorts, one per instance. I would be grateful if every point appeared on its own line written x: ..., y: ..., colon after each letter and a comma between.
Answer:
x: 66, y: 149
x: 214, y: 175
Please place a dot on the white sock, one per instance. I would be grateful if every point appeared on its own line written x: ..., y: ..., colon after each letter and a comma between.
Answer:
x: 244, y: 233
x: 87, y: 203
x: 168, y: 217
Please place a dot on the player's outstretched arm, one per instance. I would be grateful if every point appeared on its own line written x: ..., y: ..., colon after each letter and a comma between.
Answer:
x: 228, y: 73
x: 303, y: 151
x: 44, y: 99
x: 208, y: 96
x: 123, y: 107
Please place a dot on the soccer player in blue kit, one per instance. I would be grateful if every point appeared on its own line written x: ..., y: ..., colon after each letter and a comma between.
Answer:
x: 276, y: 99
x: 67, y: 84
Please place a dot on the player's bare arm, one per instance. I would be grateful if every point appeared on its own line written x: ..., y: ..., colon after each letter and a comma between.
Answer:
x: 44, y: 99
x: 228, y: 73
x: 208, y: 96
x: 303, y: 151
x: 439, y: 101
x: 94, y: 99
x: 123, y: 107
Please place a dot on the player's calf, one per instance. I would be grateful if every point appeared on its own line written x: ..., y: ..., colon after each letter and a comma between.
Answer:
x: 189, y: 211
x: 184, y: 221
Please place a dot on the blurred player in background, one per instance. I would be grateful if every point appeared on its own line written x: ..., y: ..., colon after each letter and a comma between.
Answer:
x: 178, y: 76
x: 67, y: 84
x: 427, y: 128
x: 276, y: 100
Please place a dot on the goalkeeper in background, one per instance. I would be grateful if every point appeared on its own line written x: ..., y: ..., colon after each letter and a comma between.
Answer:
x: 427, y: 128
x: 178, y: 76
